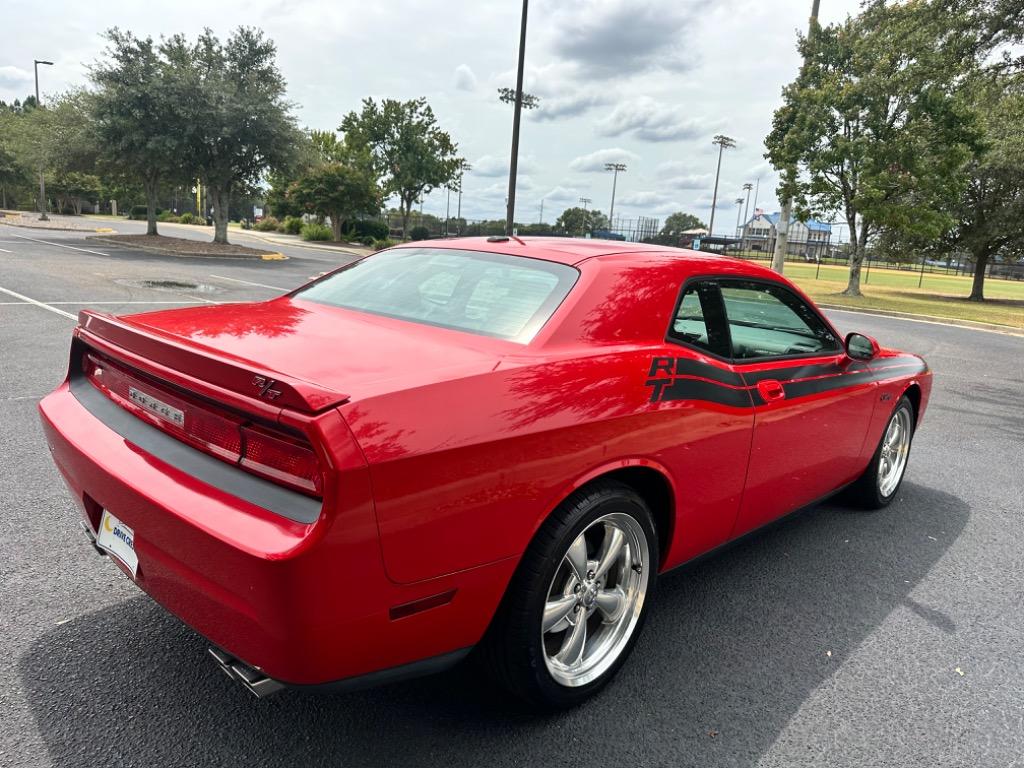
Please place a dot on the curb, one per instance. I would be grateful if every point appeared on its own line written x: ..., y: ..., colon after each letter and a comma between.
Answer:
x: 85, y: 231
x: 973, y: 325
x: 193, y: 254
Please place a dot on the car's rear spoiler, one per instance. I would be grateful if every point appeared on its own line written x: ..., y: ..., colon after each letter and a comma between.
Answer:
x: 202, y: 363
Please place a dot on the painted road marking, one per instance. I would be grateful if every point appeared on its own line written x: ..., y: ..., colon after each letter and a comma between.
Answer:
x: 4, y: 250
x: 247, y: 282
x: 58, y: 245
x: 102, y: 303
x: 1010, y: 330
x: 38, y: 303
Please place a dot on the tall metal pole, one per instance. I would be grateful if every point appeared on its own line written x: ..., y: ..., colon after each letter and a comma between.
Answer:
x: 447, y: 210
x: 782, y: 230
x: 541, y: 219
x: 739, y: 210
x: 724, y: 143
x: 514, y: 161
x: 615, y: 168
x: 42, y: 180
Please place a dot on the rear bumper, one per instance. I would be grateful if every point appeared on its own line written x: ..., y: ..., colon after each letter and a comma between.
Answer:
x: 303, y: 603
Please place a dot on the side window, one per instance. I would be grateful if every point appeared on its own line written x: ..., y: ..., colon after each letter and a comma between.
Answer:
x: 699, y: 320
x: 769, y: 321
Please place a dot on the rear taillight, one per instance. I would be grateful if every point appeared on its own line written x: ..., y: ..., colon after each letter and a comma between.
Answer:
x: 282, y: 457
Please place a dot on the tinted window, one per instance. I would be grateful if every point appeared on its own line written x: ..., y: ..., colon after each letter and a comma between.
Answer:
x: 506, y: 296
x: 699, y: 321
x: 769, y: 321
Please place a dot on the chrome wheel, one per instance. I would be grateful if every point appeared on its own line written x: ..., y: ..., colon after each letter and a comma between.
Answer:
x: 595, y: 599
x: 892, y: 459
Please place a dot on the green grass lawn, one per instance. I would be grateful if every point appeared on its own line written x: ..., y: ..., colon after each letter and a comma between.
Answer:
x: 941, y: 296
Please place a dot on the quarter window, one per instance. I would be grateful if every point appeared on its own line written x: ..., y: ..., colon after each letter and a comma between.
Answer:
x: 699, y: 320
x: 770, y: 321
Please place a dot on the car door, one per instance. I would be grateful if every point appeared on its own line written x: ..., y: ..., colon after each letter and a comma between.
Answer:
x: 811, y: 409
x: 707, y: 407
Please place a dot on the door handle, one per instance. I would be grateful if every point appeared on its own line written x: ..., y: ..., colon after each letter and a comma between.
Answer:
x: 771, y: 390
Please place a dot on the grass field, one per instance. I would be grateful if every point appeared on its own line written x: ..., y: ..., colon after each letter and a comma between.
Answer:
x: 941, y: 296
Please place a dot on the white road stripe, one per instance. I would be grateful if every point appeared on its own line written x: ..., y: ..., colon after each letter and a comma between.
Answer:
x: 1010, y: 330
x: 38, y: 303
x: 99, y: 303
x: 58, y: 245
x: 4, y: 250
x: 247, y: 282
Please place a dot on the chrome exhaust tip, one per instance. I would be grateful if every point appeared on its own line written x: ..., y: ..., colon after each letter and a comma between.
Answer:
x: 254, y: 681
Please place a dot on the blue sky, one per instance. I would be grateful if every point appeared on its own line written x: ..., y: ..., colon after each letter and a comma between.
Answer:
x: 637, y: 81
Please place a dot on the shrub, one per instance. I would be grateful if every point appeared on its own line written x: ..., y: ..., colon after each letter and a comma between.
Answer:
x: 139, y: 212
x: 267, y: 224
x: 375, y: 228
x: 291, y: 225
x: 316, y: 232
x: 167, y: 216
x: 188, y: 218
x: 368, y: 241
x: 419, y: 233
x: 382, y: 243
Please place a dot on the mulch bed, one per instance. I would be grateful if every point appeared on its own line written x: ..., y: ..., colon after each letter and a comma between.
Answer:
x: 180, y: 246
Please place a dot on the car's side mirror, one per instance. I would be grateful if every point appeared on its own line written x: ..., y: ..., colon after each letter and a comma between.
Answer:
x: 861, y: 347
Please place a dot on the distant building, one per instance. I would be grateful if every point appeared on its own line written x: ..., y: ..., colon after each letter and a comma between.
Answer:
x: 809, y: 238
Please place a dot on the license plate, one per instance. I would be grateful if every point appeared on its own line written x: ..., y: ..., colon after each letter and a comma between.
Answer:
x: 118, y: 540
x: 156, y: 407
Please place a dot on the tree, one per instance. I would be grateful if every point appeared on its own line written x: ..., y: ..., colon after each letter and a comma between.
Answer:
x: 579, y: 221
x: 411, y: 153
x: 680, y: 222
x: 337, y: 190
x: 873, y: 126
x: 237, y: 123
x: 988, y: 216
x: 137, y: 122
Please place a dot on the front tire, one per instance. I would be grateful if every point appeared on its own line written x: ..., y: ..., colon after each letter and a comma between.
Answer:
x: 576, y: 604
x: 877, y: 487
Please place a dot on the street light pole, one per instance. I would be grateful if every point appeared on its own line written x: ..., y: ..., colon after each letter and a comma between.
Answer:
x: 465, y: 167
x: 514, y: 161
x: 42, y: 180
x: 615, y: 168
x: 739, y: 210
x: 586, y: 216
x: 746, y: 210
x: 723, y: 143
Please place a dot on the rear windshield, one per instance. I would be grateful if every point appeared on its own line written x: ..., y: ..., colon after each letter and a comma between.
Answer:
x: 510, y: 297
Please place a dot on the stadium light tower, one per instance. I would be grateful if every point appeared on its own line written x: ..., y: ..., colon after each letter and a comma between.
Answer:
x: 510, y: 211
x: 42, y: 181
x: 723, y: 143
x: 614, y: 168
x: 739, y: 210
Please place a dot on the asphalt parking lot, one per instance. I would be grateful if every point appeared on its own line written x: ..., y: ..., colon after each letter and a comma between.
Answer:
x: 835, y: 638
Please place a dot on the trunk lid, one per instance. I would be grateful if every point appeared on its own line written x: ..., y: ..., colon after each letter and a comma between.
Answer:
x: 296, y: 354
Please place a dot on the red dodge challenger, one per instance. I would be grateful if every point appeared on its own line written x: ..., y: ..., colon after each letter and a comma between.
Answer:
x: 495, y: 444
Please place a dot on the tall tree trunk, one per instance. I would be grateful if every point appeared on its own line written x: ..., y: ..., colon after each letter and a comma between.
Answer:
x: 336, y: 225
x: 980, y: 263
x: 151, y: 201
x: 3, y: 191
x: 859, y: 247
x: 782, y: 237
x: 404, y: 208
x: 221, y: 199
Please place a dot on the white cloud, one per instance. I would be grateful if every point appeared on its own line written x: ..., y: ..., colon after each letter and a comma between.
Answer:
x: 464, y: 79
x: 489, y: 166
x: 690, y: 181
x: 649, y: 120
x: 572, y: 104
x: 14, y: 77
x: 595, y: 161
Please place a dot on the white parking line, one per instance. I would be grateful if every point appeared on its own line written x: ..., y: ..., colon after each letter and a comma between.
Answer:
x: 4, y: 250
x: 247, y: 282
x: 103, y: 303
x: 58, y: 245
x: 38, y: 303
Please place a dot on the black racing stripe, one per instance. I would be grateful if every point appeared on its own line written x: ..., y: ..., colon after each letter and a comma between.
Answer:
x: 694, y: 389
x: 903, y: 361
x: 685, y: 367
x: 827, y: 384
x: 803, y: 371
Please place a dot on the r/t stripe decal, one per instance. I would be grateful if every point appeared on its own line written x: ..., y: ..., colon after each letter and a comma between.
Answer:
x: 673, y: 379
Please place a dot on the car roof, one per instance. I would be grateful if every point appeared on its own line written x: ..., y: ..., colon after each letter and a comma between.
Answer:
x: 574, y: 250
x: 565, y: 250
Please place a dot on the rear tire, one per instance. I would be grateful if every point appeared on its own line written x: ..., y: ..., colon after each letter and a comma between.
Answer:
x: 577, y: 602
x: 877, y: 487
